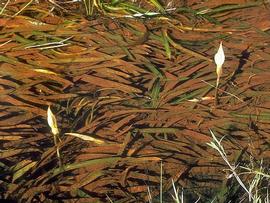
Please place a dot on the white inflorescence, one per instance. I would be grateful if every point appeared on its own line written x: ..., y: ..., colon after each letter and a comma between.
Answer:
x: 52, y: 122
x: 219, y: 56
x: 219, y: 60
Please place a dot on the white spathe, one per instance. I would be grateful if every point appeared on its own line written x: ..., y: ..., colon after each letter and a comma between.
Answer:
x: 52, y: 121
x: 219, y: 58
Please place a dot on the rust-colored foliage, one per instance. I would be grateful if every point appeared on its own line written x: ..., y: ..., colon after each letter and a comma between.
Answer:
x: 130, y: 85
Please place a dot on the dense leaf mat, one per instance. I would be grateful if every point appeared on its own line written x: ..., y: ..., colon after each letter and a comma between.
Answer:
x: 143, y: 84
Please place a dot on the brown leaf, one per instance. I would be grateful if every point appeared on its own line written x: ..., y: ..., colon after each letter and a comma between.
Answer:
x: 110, y: 84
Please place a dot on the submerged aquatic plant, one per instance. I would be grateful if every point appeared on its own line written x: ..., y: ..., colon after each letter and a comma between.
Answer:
x: 256, y: 187
x: 216, y: 144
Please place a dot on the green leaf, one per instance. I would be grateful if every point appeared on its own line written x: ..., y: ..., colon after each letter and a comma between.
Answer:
x: 20, y: 165
x: 155, y: 93
x: 158, y: 130
x: 231, y: 7
x: 158, y: 5
x: 90, y: 178
x: 104, y: 162
x: 82, y: 194
x: 166, y: 44
x: 154, y: 70
x: 18, y: 174
x: 191, y: 95
x: 125, y: 6
x: 114, y: 2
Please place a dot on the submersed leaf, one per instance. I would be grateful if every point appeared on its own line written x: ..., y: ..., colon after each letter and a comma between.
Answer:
x: 86, y: 137
x: 166, y: 44
x: 23, y: 170
x: 158, y: 5
x: 45, y: 71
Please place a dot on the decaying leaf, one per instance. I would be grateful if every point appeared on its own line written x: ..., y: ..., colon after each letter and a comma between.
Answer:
x: 45, y: 71
x: 86, y: 138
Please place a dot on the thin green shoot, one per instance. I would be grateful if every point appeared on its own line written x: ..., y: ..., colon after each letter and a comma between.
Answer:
x: 161, y: 182
x: 241, y: 100
x: 216, y: 144
x: 149, y: 195
x: 24, y: 7
x: 176, y: 196
x: 50, y: 45
x: 158, y: 5
x: 89, y: 7
x: 109, y: 198
x: 2, y: 10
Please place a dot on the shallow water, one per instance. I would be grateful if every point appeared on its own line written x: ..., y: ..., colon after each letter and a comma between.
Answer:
x: 142, y: 91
